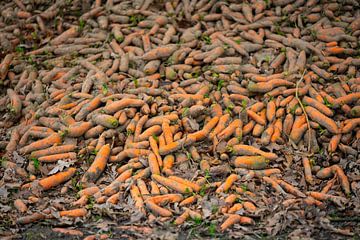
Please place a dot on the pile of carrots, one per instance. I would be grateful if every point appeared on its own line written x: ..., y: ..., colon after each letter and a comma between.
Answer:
x: 183, y: 99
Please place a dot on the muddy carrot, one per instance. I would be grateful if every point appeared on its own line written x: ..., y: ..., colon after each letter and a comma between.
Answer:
x: 228, y: 183
x: 53, y: 139
x: 186, y: 182
x: 157, y: 209
x: 98, y: 165
x: 174, y: 185
x: 323, y: 120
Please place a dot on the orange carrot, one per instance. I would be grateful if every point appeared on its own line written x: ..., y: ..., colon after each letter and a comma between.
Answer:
x: 57, y: 179
x: 174, y: 185
x: 98, y: 165
x: 320, y: 118
x: 54, y: 138
x: 251, y: 162
x: 307, y: 171
x: 78, y: 212
x: 228, y: 183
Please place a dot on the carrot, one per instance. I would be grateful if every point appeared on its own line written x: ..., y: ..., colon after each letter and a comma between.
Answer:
x: 168, y: 163
x: 342, y: 178
x: 98, y: 165
x: 70, y: 33
x: 31, y: 218
x: 251, y: 151
x: 78, y: 212
x: 291, y: 189
x: 223, y: 121
x: 320, y: 118
x: 129, y: 153
x: 266, y: 172
x: 307, y: 171
x: 187, y: 201
x: 155, y: 150
x: 56, y: 179
x: 274, y: 185
x: 121, y: 104
x: 113, y: 187
x: 90, y: 191
x: 167, y: 132
x: 182, y: 218
x: 172, y: 184
x: 251, y: 162
x: 167, y: 198
x: 51, y: 140
x: 87, y: 108
x: 186, y: 182
x: 236, y: 207
x: 16, y: 103
x: 350, y: 125
x: 318, y: 105
x: 136, y: 196
x: 153, y: 164
x: 227, y: 184
x: 157, y: 210
x: 151, y: 131
x: 233, y: 219
x: 56, y: 157
x: 324, y: 196
x: 20, y: 206
x: 249, y: 206
x: 256, y: 117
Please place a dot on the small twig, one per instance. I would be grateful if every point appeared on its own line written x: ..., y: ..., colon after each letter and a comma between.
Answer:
x: 303, y: 109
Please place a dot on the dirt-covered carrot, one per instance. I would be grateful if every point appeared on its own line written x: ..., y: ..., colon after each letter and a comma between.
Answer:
x: 129, y: 153
x: 291, y: 189
x: 274, y: 185
x: 307, y: 171
x: 157, y: 209
x: 172, y: 184
x: 228, y: 183
x: 251, y: 162
x: 56, y: 179
x: 97, y: 166
x: 323, y: 120
x: 15, y: 102
x: 195, y: 187
x: 182, y: 218
x: 246, y: 150
x: 31, y: 218
x: 342, y: 178
x: 136, y: 196
x: 53, y: 139
x: 114, y: 187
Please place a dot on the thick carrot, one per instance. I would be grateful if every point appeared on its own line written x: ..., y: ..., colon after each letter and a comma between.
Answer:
x: 172, y: 184
x: 251, y: 162
x: 53, y: 150
x: 195, y: 187
x: 53, y: 139
x: 342, y: 178
x: 233, y: 219
x: 153, y: 163
x: 78, y: 212
x: 251, y: 151
x: 98, y: 165
x: 157, y: 209
x: 323, y: 120
x: 57, y: 179
x: 228, y: 183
